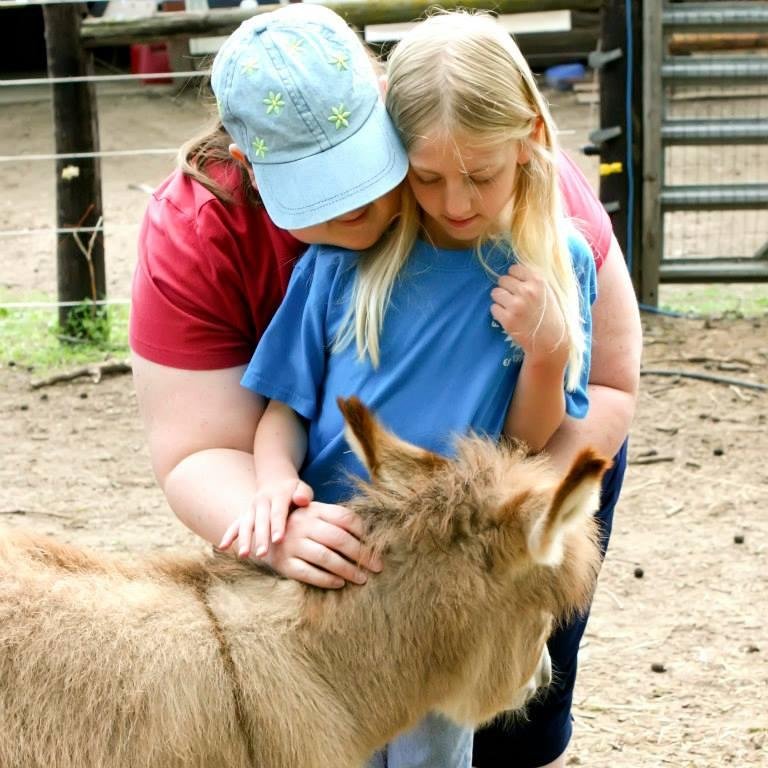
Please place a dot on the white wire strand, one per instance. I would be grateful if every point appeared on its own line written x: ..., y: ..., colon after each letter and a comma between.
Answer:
x: 65, y: 230
x: 89, y: 155
x: 23, y: 3
x: 56, y: 304
x: 101, y: 78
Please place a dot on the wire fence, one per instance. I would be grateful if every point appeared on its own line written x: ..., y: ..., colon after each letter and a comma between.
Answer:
x: 29, y: 234
x: 739, y: 159
x: 138, y: 111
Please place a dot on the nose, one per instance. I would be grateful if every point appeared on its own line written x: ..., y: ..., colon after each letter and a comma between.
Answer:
x: 352, y: 215
x: 457, y: 201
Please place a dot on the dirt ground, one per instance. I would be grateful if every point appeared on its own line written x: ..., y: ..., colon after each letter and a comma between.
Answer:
x: 692, y: 516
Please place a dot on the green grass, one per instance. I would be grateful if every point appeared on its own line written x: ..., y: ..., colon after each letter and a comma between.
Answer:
x: 735, y: 299
x: 31, y: 337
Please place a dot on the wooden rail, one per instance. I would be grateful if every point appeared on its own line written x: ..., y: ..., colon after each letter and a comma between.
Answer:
x: 221, y: 21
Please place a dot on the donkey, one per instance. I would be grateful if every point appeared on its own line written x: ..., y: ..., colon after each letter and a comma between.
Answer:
x: 183, y: 662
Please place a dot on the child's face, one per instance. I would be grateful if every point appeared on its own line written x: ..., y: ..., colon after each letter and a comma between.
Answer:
x: 462, y: 188
x: 356, y: 230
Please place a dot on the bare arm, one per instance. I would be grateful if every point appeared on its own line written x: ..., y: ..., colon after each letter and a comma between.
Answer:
x: 538, y: 403
x: 278, y: 452
x: 523, y: 306
x: 615, y: 372
x: 200, y: 427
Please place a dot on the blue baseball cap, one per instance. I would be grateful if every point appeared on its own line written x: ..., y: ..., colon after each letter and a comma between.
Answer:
x: 299, y: 95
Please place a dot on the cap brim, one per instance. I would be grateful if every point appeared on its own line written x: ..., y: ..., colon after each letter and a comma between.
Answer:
x: 351, y: 174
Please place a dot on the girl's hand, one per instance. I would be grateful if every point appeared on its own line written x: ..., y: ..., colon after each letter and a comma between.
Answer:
x: 525, y: 308
x: 265, y: 522
x: 322, y: 547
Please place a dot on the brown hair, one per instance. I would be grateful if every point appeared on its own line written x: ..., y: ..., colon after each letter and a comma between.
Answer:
x: 211, y: 145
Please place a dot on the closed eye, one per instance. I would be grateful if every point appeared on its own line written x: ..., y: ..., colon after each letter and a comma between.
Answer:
x: 483, y: 179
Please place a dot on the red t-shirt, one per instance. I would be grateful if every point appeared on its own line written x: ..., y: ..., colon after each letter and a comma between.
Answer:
x: 582, y: 205
x: 210, y: 275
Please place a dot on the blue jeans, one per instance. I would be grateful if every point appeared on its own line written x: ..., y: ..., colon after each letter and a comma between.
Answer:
x: 435, y: 742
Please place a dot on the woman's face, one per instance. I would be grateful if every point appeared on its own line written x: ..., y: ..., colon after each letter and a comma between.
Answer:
x: 355, y: 230
x: 463, y: 189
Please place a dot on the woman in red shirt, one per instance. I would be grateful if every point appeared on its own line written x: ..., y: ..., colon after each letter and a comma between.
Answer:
x: 212, y: 270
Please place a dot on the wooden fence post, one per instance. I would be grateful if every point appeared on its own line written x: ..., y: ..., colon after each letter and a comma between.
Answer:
x: 621, y: 186
x: 80, y: 256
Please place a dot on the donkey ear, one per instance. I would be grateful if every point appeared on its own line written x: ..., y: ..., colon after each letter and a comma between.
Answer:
x: 576, y: 497
x: 383, y: 454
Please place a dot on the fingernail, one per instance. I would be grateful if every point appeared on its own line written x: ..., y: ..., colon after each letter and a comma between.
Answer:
x: 276, y: 536
x: 243, y: 551
x: 360, y: 578
x: 261, y: 550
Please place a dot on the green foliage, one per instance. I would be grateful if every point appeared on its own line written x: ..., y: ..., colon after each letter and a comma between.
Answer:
x: 32, y: 337
x: 735, y: 299
x: 87, y: 322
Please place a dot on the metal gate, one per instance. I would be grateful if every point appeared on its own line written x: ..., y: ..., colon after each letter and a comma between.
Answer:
x: 684, y: 76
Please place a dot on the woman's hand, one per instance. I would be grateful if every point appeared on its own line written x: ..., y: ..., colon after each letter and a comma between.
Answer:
x: 265, y: 521
x: 525, y: 308
x: 322, y: 547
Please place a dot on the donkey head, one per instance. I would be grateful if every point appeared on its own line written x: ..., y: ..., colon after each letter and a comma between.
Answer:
x: 509, y: 546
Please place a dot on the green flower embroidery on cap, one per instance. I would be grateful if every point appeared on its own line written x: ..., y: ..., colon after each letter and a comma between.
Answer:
x: 274, y: 103
x: 259, y: 147
x: 250, y: 66
x: 297, y: 45
x: 339, y: 61
x: 339, y: 116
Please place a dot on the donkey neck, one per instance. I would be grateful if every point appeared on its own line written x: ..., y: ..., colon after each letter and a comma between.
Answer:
x: 393, y: 649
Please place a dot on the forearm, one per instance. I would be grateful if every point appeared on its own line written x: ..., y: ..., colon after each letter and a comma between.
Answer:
x: 280, y: 443
x: 537, y: 408
x: 604, y: 428
x: 209, y: 489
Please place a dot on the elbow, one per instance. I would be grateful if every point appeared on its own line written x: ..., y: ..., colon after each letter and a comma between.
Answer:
x: 167, y: 461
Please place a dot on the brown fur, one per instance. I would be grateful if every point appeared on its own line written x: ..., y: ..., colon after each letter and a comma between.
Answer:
x: 184, y: 662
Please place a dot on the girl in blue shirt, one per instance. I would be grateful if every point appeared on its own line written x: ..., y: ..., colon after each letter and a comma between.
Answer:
x: 471, y: 314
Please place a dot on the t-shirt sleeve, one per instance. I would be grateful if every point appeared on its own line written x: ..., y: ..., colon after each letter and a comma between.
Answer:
x: 188, y: 305
x: 585, y: 209
x: 577, y: 400
x: 290, y: 359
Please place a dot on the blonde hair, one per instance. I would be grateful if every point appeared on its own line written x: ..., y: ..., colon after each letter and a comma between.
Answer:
x: 461, y: 73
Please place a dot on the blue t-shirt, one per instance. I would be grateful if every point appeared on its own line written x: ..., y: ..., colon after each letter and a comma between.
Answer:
x: 446, y: 367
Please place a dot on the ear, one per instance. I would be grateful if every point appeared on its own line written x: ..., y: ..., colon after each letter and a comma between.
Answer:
x: 384, y: 455
x: 537, y: 135
x: 576, y: 498
x: 237, y: 154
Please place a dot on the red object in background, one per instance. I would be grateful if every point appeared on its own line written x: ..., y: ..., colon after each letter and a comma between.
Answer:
x: 149, y: 58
